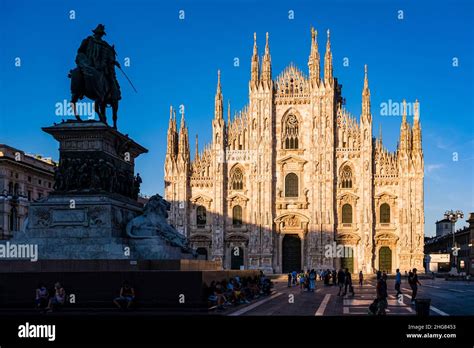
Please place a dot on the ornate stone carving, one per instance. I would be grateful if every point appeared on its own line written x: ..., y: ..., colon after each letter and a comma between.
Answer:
x: 202, y: 200
x: 153, y: 224
x: 237, y: 199
x: 96, y: 216
x: 292, y: 221
x: 43, y: 217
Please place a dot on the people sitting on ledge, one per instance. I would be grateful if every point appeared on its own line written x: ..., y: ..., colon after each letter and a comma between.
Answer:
x: 58, y: 300
x: 126, y: 297
x: 42, y: 296
x: 236, y: 291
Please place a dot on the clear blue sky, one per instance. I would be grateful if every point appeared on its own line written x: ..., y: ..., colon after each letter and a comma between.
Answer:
x: 175, y: 61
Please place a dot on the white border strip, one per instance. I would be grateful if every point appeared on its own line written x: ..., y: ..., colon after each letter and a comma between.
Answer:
x: 433, y: 308
x: 322, y: 306
x: 254, y: 305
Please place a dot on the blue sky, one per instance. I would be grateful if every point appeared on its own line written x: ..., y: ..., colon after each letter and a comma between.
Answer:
x: 175, y: 61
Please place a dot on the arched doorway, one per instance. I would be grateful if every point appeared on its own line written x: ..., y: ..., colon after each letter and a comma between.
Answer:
x: 236, y: 257
x: 385, y: 259
x: 13, y: 219
x: 348, y: 260
x: 291, y: 253
x: 202, y: 253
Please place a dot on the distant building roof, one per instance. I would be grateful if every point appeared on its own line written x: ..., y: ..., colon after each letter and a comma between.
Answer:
x: 446, y: 236
x: 444, y: 220
x: 10, y: 153
x: 48, y: 160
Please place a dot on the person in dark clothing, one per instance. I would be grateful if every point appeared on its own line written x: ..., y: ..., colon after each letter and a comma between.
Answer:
x: 414, y: 282
x: 327, y: 277
x: 382, y: 295
x: 289, y: 279
x: 379, y: 275
x: 126, y: 297
x: 398, y: 282
x: 312, y: 280
x: 361, y: 278
x: 42, y: 296
x: 341, y: 276
x: 348, y: 283
x: 334, y: 277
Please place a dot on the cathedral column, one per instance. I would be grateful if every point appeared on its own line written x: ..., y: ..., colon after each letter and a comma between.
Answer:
x: 367, y: 213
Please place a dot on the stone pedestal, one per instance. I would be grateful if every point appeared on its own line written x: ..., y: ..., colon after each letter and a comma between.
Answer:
x: 93, y: 229
x: 95, y: 195
x: 95, y: 158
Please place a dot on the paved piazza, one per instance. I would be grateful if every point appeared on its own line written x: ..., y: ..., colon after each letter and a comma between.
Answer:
x: 447, y: 298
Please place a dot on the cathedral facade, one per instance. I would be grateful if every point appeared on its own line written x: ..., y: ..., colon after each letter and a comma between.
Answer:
x: 294, y: 181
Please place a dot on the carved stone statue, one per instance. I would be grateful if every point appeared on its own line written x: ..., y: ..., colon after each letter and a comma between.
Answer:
x: 153, y: 224
x: 84, y: 174
x: 405, y: 240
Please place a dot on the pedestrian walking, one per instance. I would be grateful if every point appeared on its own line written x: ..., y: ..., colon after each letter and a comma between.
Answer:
x: 341, y: 276
x: 327, y: 277
x: 312, y: 280
x: 302, y: 280
x: 398, y: 282
x: 361, y: 278
x: 413, y: 282
x: 379, y: 275
x: 294, y: 275
x: 348, y: 283
x: 334, y: 277
x: 289, y: 279
x: 382, y: 295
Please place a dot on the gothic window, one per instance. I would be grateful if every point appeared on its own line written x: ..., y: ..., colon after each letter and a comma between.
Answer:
x: 291, y: 185
x: 290, y: 133
x: 346, y: 177
x: 237, y: 215
x: 201, y: 216
x: 237, y: 179
x: 385, y: 213
x: 346, y: 214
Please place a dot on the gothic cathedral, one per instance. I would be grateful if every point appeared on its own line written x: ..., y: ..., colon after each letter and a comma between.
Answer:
x: 293, y: 181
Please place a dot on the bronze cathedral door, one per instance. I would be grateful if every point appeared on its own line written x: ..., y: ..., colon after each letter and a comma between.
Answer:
x: 291, y: 253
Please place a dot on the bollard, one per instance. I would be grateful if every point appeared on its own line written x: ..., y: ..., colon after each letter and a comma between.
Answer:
x: 422, y: 307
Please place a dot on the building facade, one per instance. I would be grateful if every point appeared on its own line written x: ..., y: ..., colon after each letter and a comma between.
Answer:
x: 23, y: 179
x: 462, y: 239
x: 444, y: 227
x: 294, y: 175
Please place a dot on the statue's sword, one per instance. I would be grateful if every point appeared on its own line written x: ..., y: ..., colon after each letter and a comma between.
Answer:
x: 131, y: 84
x: 123, y: 72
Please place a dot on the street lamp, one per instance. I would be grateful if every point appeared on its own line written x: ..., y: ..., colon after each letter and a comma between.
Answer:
x: 453, y: 216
